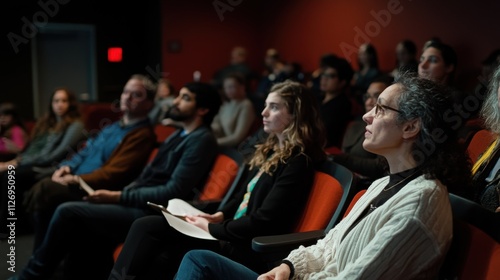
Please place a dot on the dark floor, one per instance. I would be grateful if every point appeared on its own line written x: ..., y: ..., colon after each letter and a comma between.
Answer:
x: 23, y: 248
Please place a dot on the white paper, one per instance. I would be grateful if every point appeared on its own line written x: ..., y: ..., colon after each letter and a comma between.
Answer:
x: 85, y: 186
x: 187, y: 228
x: 181, y: 208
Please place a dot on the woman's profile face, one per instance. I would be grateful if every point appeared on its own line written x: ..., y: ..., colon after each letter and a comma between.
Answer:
x: 60, y: 103
x: 433, y: 67
x: 275, y: 116
x: 383, y: 135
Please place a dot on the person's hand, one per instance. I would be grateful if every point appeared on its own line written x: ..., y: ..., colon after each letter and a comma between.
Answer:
x: 198, y: 221
x: 104, y: 196
x: 281, y: 272
x: 498, y: 210
x: 213, y: 218
x: 68, y: 179
x: 59, y: 173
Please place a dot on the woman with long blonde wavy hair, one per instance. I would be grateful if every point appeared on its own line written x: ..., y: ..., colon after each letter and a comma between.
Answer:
x: 269, y: 202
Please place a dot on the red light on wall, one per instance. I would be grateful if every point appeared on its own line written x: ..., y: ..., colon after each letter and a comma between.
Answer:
x: 115, y: 54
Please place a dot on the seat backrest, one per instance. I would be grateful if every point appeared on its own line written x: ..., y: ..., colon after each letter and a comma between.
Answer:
x: 164, y: 131
x: 355, y: 199
x: 226, y: 172
x: 475, y: 250
x: 331, y: 187
x: 479, y: 142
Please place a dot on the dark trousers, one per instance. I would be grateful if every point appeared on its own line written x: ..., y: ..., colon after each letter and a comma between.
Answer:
x: 154, y: 250
x: 42, y: 200
x: 88, y: 233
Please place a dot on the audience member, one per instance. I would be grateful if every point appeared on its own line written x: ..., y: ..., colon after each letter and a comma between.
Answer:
x: 110, y: 160
x: 88, y: 231
x: 488, y: 67
x: 315, y: 80
x: 281, y: 174
x: 55, y: 136
x: 406, y: 58
x: 438, y: 63
x: 13, y: 136
x: 238, y: 64
x: 368, y: 68
x: 486, y: 178
x: 336, y: 107
x: 236, y: 116
x: 401, y: 228
x: 275, y: 72
x: 165, y: 95
x: 366, y: 166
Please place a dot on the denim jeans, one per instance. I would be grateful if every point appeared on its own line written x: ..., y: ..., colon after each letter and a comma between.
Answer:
x: 207, y: 265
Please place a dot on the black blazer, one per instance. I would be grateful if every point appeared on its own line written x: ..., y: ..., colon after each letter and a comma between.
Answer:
x: 275, y: 203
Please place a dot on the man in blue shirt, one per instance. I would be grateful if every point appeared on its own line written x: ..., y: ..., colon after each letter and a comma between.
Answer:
x: 112, y: 159
x: 179, y: 169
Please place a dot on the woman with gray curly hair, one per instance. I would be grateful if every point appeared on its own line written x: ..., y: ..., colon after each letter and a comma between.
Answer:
x: 486, y: 178
x: 401, y: 228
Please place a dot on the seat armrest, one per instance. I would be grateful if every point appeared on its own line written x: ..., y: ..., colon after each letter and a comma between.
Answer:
x: 286, y: 242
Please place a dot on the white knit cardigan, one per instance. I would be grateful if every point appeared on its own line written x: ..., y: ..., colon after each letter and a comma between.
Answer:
x: 405, y: 238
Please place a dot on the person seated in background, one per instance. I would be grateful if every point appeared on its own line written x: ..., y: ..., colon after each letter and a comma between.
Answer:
x: 238, y: 64
x: 486, y: 178
x: 110, y: 160
x: 314, y: 82
x: 365, y: 165
x: 165, y: 95
x: 55, y: 136
x: 438, y: 63
x: 406, y: 58
x: 335, y: 106
x: 13, y: 136
x: 89, y: 230
x: 368, y: 69
x: 270, y: 202
x: 401, y: 228
x: 488, y: 67
x: 275, y: 72
x: 236, y: 115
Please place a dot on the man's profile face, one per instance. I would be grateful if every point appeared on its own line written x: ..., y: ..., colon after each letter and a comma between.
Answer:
x: 184, y: 106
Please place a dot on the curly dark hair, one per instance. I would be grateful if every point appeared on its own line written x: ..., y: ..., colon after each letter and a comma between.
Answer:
x: 437, y: 148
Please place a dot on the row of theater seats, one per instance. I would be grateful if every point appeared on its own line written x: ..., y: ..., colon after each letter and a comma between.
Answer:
x: 475, y: 251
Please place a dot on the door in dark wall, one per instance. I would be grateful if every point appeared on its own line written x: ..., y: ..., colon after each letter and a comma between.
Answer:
x: 63, y: 55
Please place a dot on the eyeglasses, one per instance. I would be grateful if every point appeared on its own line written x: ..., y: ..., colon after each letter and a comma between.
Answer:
x: 380, y: 109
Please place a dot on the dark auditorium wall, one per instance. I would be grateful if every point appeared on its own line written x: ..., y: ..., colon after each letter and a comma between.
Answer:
x: 136, y: 28
x: 304, y: 30
x: 301, y: 30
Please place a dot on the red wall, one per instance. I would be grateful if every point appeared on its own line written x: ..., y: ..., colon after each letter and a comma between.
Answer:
x: 206, y: 40
x: 304, y: 30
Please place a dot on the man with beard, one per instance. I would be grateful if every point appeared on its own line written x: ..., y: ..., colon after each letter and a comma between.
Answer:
x: 89, y: 231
